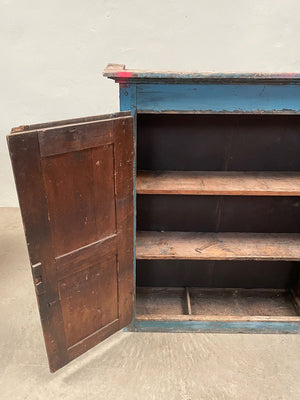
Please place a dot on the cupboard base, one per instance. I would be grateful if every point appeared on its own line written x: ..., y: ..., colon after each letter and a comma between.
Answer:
x: 214, y: 326
x: 224, y: 310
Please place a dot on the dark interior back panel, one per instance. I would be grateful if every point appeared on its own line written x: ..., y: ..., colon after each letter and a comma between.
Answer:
x: 218, y: 142
x: 218, y: 213
x: 217, y: 274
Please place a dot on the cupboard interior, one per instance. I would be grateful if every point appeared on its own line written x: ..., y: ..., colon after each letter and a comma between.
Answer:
x: 215, y: 174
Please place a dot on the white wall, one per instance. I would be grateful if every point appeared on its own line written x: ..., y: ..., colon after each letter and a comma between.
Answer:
x: 53, y: 52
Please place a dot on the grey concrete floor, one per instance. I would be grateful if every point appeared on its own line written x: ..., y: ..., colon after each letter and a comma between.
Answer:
x: 132, y: 365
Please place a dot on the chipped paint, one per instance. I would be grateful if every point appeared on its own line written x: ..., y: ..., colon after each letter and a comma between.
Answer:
x: 177, y: 92
x: 118, y: 73
x: 215, y: 326
x: 219, y: 98
x: 124, y: 74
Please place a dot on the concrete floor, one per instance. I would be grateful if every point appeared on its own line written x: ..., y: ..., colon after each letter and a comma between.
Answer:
x: 132, y: 365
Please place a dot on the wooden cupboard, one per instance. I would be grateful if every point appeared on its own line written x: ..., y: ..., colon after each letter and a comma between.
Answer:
x: 178, y: 214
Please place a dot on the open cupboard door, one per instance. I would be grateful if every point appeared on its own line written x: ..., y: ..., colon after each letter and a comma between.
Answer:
x: 75, y: 185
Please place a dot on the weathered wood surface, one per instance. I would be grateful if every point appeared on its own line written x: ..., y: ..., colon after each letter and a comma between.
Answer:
x: 118, y: 71
x: 296, y: 300
x: 75, y: 187
x: 61, y: 140
x: 218, y: 246
x: 188, y: 301
x: 219, y: 183
x: 25, y: 158
x: 81, y: 120
x: 223, y: 318
x: 161, y: 303
x: 242, y: 302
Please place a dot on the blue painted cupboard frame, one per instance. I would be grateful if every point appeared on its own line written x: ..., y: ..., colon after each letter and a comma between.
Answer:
x: 172, y: 92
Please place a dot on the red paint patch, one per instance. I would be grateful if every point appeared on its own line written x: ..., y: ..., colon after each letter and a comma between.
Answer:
x: 124, y: 74
x: 289, y: 75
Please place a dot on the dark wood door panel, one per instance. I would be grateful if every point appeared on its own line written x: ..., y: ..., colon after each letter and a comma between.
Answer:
x: 91, y: 297
x: 75, y: 187
x: 75, y: 261
x: 75, y: 137
x: 80, y: 190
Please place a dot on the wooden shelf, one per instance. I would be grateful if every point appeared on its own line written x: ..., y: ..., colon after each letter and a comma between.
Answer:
x: 169, y: 303
x: 219, y: 183
x: 218, y: 246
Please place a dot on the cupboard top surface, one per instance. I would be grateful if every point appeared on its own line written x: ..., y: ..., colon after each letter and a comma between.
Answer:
x: 120, y: 74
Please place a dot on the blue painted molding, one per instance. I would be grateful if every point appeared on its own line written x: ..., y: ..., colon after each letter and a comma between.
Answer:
x: 127, y: 95
x: 218, y: 98
x: 215, y: 326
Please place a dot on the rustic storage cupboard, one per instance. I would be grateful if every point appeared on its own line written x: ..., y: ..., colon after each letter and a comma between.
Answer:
x: 180, y: 213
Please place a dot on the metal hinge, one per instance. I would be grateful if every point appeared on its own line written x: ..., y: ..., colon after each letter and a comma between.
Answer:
x: 38, y: 278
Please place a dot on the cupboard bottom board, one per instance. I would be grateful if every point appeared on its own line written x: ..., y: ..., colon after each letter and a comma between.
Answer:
x: 216, y: 310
